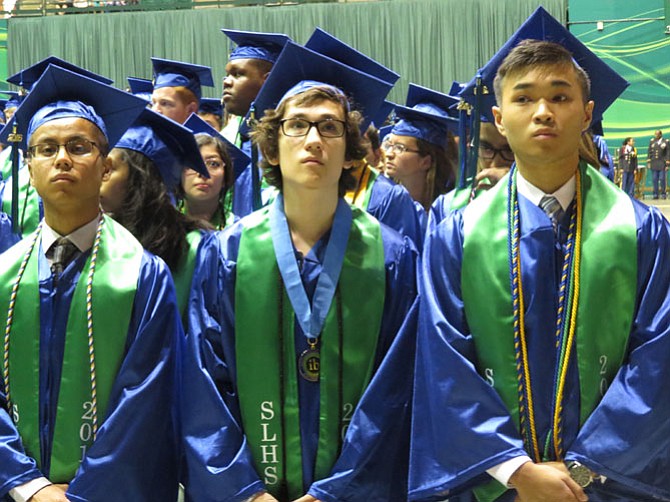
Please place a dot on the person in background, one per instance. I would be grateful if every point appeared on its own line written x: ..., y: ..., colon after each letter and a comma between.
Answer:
x: 628, y: 165
x: 211, y: 111
x: 658, y: 160
x: 178, y: 88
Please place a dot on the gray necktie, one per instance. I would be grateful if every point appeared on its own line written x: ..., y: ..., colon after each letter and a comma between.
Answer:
x: 550, y: 205
x: 63, y: 252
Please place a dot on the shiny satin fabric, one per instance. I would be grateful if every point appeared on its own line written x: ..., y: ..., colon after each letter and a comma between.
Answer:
x: 136, y: 453
x: 219, y: 463
x: 461, y: 427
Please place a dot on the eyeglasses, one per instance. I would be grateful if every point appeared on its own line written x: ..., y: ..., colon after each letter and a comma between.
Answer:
x: 213, y: 164
x: 77, y: 147
x: 397, y: 148
x: 328, y: 128
x: 487, y: 152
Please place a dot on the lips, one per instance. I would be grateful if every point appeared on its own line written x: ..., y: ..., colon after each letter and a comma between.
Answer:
x: 312, y: 160
x: 545, y: 133
x: 62, y: 177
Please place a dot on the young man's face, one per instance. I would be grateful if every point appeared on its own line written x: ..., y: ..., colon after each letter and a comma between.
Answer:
x: 543, y: 114
x: 312, y: 161
x: 65, y: 179
x: 167, y: 101
x: 404, y: 165
x: 244, y: 78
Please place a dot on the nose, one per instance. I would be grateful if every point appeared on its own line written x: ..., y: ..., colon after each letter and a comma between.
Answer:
x: 543, y: 112
x: 313, y: 137
x: 62, y: 158
x: 227, y: 81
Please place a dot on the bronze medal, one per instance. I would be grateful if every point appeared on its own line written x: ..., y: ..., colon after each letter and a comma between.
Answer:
x: 309, y: 362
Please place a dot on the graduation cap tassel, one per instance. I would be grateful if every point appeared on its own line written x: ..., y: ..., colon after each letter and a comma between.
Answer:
x: 15, y: 139
x: 471, y: 168
x: 463, y: 112
x: 255, y: 178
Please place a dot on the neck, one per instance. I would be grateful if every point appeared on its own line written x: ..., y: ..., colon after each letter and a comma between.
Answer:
x: 64, y: 222
x: 310, y: 215
x: 549, y: 177
x: 417, y: 186
x: 202, y: 209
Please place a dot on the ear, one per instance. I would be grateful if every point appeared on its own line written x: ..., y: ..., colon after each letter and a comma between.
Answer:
x: 426, y: 162
x: 588, y: 115
x: 106, y: 168
x: 348, y: 164
x: 498, y: 120
x: 192, y: 107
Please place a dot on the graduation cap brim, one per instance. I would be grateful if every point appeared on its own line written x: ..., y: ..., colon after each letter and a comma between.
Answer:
x: 118, y: 109
x: 606, y: 84
x: 411, y: 114
x: 180, y: 142
x: 324, y: 43
x: 190, y: 70
x: 140, y: 85
x: 211, y: 105
x: 27, y: 77
x: 198, y: 126
x: 273, y: 42
x: 297, y: 63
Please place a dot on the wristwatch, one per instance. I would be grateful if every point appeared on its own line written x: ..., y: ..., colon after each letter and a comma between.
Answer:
x: 580, y: 474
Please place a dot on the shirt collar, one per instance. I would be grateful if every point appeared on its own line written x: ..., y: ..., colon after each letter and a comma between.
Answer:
x: 564, y: 194
x: 82, y: 237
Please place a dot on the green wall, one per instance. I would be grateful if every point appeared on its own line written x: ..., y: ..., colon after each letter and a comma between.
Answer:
x: 634, y: 43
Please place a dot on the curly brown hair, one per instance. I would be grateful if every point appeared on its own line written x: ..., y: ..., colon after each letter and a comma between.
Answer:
x: 265, y: 134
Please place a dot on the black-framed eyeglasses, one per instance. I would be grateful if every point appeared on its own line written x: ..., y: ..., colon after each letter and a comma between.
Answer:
x: 76, y: 147
x: 487, y: 152
x: 328, y: 128
x: 397, y: 148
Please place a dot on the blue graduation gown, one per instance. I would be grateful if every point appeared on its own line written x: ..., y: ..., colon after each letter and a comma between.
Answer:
x: 461, y: 426
x: 393, y: 205
x: 7, y: 237
x: 135, y: 455
x: 219, y: 464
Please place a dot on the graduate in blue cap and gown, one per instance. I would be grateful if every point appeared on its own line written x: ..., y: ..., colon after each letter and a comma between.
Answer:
x: 211, y: 199
x: 211, y: 111
x: 387, y: 201
x: 419, y: 149
x: 139, y: 191
x: 91, y: 324
x: 29, y: 210
x: 248, y: 66
x: 293, y: 311
x: 544, y: 329
x: 178, y: 87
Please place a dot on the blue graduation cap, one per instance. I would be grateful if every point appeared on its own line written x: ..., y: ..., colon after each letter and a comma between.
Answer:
x: 27, y: 77
x: 169, y: 145
x: 324, y: 43
x: 211, y: 105
x: 382, y: 114
x: 426, y: 115
x: 240, y: 159
x: 61, y: 93
x: 298, y: 64
x: 15, y: 98
x: 141, y: 87
x: 256, y: 45
x: 606, y: 84
x: 168, y: 73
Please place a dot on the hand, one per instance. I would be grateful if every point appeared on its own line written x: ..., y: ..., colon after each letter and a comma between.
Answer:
x: 51, y: 493
x: 549, y: 481
x: 264, y: 497
x: 306, y: 498
x: 492, y: 174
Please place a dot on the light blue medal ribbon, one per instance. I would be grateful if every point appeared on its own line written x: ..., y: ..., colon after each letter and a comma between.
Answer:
x: 311, y: 317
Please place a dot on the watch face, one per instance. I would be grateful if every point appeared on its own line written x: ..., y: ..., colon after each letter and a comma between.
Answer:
x: 581, y: 475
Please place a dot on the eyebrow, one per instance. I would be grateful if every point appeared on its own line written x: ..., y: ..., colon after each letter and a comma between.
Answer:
x: 51, y: 139
x: 554, y: 83
x: 303, y: 115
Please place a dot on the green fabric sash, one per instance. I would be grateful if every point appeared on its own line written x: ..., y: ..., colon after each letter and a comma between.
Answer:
x: 114, y: 287
x: 601, y: 332
x: 274, y: 437
x: 460, y: 197
x: 184, y: 273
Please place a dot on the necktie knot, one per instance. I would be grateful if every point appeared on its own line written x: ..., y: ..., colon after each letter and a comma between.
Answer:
x: 63, y: 252
x: 550, y: 205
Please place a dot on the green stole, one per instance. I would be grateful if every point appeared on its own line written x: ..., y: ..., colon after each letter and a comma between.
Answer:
x: 114, y: 287
x: 265, y: 358
x: 184, y: 274
x: 608, y: 217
